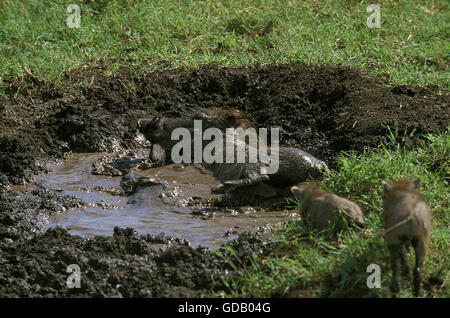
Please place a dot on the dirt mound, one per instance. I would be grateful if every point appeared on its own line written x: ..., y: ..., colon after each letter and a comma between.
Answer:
x: 323, y: 110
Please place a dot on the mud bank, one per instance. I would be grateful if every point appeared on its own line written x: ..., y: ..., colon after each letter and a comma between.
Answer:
x: 322, y: 110
x: 124, y: 265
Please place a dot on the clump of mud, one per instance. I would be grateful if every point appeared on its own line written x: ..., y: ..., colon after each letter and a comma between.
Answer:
x: 23, y: 214
x: 322, y: 110
x: 124, y: 265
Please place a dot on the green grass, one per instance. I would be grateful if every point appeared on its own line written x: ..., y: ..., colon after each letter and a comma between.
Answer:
x: 411, y: 47
x: 306, y: 260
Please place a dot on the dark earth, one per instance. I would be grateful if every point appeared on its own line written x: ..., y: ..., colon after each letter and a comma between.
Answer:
x: 322, y: 110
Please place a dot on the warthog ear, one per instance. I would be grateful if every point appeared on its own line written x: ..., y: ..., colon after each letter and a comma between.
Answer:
x: 416, y: 182
x: 297, y: 191
x: 386, y: 188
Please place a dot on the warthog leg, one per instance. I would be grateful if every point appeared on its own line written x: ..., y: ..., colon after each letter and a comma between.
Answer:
x: 420, y: 249
x: 233, y: 185
x: 395, y: 265
x: 404, y: 259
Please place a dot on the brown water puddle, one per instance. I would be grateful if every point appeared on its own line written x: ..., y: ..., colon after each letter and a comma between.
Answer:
x: 151, y: 210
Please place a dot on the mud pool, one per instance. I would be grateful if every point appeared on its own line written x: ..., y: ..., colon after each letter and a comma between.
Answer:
x: 162, y: 207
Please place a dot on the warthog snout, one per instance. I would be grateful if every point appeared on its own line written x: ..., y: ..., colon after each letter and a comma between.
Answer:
x: 143, y: 122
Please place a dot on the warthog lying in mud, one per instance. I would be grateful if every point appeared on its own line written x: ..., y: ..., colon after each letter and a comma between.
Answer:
x: 158, y: 130
x: 407, y: 220
x: 294, y: 165
x: 322, y: 207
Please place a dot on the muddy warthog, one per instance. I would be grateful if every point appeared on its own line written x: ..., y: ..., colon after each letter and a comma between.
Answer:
x: 407, y: 220
x: 322, y: 207
x: 158, y: 130
x: 295, y: 165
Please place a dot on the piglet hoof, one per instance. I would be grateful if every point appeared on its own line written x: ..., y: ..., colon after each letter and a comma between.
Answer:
x: 417, y: 289
x: 417, y: 282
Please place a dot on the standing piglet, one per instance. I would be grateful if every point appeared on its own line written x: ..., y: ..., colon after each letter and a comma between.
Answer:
x: 407, y: 220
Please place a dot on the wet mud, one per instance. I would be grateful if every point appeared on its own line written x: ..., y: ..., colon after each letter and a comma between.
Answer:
x: 322, y: 110
x: 165, y: 203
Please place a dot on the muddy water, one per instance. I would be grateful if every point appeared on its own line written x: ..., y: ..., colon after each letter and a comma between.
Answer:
x: 156, y: 208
